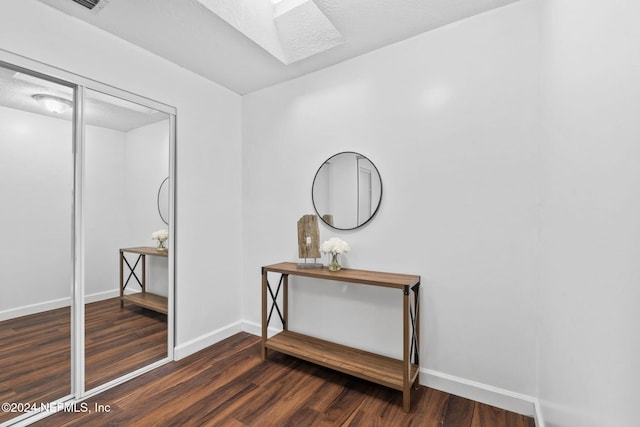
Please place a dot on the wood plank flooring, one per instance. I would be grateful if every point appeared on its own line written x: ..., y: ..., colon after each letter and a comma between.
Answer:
x: 228, y: 384
x: 121, y: 340
x: 35, y: 350
x: 34, y: 358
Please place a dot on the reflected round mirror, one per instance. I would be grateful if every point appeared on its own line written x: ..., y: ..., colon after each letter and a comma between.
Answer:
x: 163, y: 201
x: 347, y: 191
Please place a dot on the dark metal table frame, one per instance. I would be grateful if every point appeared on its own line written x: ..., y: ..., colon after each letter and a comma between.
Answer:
x: 410, y: 286
x: 147, y: 300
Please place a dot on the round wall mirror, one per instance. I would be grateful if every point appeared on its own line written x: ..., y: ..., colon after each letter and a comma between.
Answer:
x: 163, y: 201
x: 347, y: 191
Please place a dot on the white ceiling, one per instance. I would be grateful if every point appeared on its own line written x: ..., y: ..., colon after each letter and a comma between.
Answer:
x: 193, y: 36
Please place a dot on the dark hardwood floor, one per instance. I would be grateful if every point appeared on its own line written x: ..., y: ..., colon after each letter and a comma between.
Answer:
x: 121, y: 340
x: 35, y: 350
x: 228, y: 384
x: 34, y: 359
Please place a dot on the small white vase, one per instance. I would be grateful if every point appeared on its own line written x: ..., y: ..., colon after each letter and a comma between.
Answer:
x: 334, y: 262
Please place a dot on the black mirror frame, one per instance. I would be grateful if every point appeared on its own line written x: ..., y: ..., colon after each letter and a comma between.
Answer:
x: 314, y: 183
x: 165, y: 181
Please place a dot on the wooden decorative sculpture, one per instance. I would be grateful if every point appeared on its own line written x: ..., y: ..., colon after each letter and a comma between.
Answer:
x: 328, y: 218
x: 309, y: 241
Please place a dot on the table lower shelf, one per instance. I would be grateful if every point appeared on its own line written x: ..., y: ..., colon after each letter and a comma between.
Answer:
x: 148, y: 300
x: 372, y: 367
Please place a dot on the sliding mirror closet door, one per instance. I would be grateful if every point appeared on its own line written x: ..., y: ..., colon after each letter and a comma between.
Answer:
x: 126, y: 275
x: 36, y: 267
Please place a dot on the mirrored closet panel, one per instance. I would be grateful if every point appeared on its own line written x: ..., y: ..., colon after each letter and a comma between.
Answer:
x: 126, y: 279
x: 86, y: 270
x: 36, y: 272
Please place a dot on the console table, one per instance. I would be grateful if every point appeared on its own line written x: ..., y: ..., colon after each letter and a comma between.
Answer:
x: 143, y: 299
x: 397, y: 374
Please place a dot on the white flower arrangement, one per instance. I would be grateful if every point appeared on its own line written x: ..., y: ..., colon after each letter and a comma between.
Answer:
x: 160, y: 235
x: 335, y: 246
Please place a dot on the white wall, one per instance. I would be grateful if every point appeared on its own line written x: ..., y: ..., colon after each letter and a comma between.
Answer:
x: 104, y: 214
x: 122, y: 175
x: 451, y: 120
x: 208, y: 251
x: 147, y: 165
x: 589, y: 341
x: 123, y: 171
x: 344, y: 186
x: 36, y: 179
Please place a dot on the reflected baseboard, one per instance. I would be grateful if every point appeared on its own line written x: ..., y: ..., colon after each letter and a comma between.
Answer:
x: 26, y: 310
x: 40, y: 307
x: 100, y: 296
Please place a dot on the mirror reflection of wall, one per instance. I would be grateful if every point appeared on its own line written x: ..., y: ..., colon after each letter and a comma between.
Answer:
x: 163, y: 201
x: 36, y: 189
x: 125, y: 160
x: 347, y: 191
x: 126, y: 152
x: 368, y: 189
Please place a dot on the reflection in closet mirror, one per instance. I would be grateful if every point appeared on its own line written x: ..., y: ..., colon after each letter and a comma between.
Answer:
x: 347, y: 191
x: 36, y: 277
x: 79, y: 176
x: 163, y: 201
x: 126, y: 155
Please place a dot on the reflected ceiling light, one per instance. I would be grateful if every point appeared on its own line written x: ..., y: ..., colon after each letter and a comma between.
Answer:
x: 54, y: 104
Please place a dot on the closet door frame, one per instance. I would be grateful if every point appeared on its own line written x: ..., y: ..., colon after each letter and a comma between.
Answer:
x: 80, y: 84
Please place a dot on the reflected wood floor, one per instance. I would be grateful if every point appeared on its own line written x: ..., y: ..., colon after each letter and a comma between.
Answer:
x: 35, y: 350
x: 228, y: 384
x: 121, y: 340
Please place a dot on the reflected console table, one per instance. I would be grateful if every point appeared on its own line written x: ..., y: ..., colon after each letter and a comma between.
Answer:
x: 394, y: 373
x: 143, y: 299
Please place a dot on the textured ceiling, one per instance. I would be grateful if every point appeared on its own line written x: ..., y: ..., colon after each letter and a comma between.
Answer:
x: 193, y: 36
x: 290, y: 30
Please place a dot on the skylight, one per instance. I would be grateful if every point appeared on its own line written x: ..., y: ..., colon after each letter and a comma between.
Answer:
x: 290, y: 30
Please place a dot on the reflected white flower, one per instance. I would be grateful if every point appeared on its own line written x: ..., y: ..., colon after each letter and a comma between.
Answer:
x: 160, y: 235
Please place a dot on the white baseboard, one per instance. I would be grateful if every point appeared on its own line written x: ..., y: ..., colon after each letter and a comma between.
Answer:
x: 494, y: 396
x: 26, y: 310
x: 192, y: 346
x: 99, y: 296
x: 538, y: 415
x: 254, y: 328
x: 484, y: 393
x: 490, y: 395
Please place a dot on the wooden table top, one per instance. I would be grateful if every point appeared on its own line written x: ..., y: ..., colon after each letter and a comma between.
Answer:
x: 145, y: 250
x: 365, y: 277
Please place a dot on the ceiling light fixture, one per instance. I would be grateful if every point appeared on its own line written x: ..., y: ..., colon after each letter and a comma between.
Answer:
x: 54, y: 104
